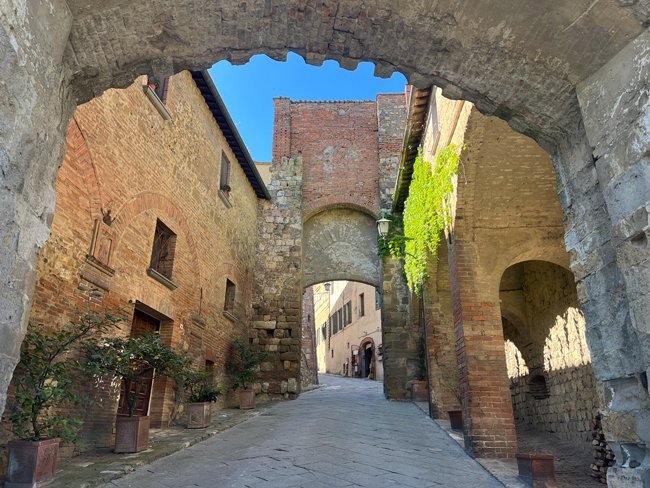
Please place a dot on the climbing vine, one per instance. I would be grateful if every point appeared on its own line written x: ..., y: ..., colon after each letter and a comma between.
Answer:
x: 427, y: 212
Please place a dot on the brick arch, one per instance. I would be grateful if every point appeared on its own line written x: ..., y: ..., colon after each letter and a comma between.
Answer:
x: 81, y: 153
x: 332, y: 203
x: 149, y: 201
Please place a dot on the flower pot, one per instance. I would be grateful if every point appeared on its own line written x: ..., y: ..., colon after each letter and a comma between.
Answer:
x: 199, y: 415
x: 537, y: 469
x: 131, y: 433
x: 456, y: 419
x: 419, y: 391
x: 246, y: 399
x: 31, y: 463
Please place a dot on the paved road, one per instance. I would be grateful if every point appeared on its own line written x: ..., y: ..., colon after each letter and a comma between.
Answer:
x: 344, y: 434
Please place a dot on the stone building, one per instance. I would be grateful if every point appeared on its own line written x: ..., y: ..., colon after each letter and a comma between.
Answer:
x: 348, y: 329
x: 157, y: 202
x: 505, y: 333
x: 333, y: 170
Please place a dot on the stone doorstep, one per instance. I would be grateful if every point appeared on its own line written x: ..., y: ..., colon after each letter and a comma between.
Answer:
x: 90, y: 470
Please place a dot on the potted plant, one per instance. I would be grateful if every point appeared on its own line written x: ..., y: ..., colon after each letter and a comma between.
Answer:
x: 130, y: 359
x: 226, y: 189
x: 242, y: 369
x: 44, y: 389
x: 201, y: 391
x: 420, y: 386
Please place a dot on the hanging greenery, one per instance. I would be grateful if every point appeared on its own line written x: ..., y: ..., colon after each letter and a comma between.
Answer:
x: 427, y: 212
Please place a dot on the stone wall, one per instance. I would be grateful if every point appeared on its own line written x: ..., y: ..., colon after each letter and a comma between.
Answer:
x: 308, y: 359
x: 125, y: 168
x: 547, y: 331
x: 277, y: 298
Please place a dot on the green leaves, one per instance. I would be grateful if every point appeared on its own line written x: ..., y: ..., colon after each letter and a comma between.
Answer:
x: 427, y: 212
x: 50, y: 367
x: 243, y: 363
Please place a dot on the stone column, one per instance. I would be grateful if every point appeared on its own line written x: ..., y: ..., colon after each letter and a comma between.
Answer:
x: 489, y: 425
x: 399, y: 334
x: 277, y: 294
x: 614, y: 280
x: 34, y: 109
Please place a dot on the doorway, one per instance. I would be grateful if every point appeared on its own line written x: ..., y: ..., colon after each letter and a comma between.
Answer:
x: 142, y: 324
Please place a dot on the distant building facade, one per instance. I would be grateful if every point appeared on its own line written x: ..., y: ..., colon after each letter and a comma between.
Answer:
x: 347, y: 317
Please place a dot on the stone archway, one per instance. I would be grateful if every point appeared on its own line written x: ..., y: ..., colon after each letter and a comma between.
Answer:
x: 576, y: 83
x: 340, y: 244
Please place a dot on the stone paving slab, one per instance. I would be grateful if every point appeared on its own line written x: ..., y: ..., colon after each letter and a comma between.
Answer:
x: 92, y: 470
x: 344, y: 434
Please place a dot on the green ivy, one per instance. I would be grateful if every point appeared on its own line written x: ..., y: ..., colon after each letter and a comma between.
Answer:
x: 427, y: 212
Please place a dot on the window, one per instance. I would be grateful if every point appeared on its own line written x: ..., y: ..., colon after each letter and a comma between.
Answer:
x: 348, y: 313
x: 323, y: 331
x: 224, y: 182
x: 335, y: 323
x: 377, y: 299
x: 164, y: 246
x: 340, y: 318
x: 362, y: 305
x: 229, y: 305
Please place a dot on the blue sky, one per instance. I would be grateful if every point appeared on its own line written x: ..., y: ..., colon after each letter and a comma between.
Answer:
x: 248, y: 91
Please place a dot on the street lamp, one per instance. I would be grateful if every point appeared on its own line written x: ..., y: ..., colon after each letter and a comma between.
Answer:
x: 327, y: 286
x: 383, y: 225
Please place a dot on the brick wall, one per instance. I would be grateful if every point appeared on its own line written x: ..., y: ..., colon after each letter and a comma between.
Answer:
x: 126, y: 167
x: 338, y: 144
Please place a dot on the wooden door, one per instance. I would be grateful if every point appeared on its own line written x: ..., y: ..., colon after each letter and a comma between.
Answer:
x: 142, y: 323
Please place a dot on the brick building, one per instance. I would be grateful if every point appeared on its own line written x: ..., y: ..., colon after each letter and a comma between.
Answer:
x: 157, y: 202
x: 505, y: 334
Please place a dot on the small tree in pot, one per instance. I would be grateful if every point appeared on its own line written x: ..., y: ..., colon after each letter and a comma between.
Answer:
x: 201, y: 391
x: 129, y: 359
x: 49, y: 368
x: 242, y: 369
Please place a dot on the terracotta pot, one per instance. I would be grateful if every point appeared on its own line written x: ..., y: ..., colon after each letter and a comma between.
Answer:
x: 419, y: 391
x: 31, y: 463
x: 456, y: 419
x: 537, y: 469
x: 199, y: 415
x: 131, y: 433
x: 246, y: 399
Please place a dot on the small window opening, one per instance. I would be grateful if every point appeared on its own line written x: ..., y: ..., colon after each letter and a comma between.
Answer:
x: 229, y: 304
x: 164, y: 247
x: 362, y: 305
x: 348, y: 313
x: 537, y: 387
x: 224, y: 182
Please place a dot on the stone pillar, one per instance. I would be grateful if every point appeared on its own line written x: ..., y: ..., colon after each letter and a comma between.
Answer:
x: 277, y: 294
x: 614, y: 280
x: 308, y: 359
x: 399, y: 334
x: 34, y: 109
x: 489, y: 425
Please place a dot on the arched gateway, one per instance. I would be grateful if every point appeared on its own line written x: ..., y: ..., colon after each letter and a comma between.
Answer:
x: 572, y: 75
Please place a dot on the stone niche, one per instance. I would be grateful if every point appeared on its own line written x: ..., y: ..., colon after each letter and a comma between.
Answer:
x: 340, y: 244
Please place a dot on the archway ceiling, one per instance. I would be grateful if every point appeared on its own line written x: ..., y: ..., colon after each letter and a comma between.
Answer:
x: 519, y: 59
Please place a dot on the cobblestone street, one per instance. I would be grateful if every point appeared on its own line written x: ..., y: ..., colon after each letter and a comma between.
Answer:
x: 343, y: 434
